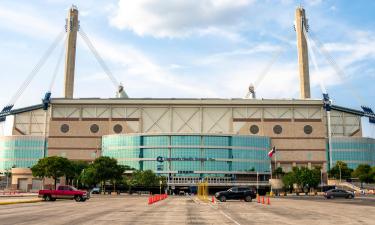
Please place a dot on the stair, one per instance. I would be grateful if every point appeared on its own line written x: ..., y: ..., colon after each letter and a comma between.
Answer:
x: 350, y: 186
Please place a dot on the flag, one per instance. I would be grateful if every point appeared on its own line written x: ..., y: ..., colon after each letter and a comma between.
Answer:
x: 271, y: 152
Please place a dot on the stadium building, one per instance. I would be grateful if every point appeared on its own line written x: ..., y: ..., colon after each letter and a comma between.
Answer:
x: 224, y: 141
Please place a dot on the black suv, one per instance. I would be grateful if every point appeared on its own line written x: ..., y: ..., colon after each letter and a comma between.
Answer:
x: 236, y: 193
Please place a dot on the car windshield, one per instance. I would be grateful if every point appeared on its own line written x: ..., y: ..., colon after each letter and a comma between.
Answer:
x: 73, y: 189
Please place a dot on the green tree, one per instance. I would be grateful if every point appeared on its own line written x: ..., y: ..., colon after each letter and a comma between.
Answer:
x: 145, y: 178
x: 313, y: 177
x: 74, y: 171
x: 88, y: 176
x: 342, y: 167
x: 106, y: 169
x: 373, y: 173
x: 363, y: 173
x: 117, y: 176
x: 278, y: 172
x: 53, y: 167
x: 288, y: 181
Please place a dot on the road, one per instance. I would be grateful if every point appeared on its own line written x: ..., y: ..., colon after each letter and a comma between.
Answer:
x: 110, y: 210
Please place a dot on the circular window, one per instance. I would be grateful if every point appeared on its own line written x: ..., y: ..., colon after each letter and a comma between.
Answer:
x: 94, y: 128
x: 307, y: 129
x: 117, y: 128
x: 277, y: 129
x: 64, y: 128
x: 254, y: 129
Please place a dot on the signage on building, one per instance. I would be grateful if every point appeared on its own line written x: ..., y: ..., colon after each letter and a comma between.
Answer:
x: 162, y: 159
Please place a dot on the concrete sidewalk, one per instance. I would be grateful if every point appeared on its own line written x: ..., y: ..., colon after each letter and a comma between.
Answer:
x: 7, y: 195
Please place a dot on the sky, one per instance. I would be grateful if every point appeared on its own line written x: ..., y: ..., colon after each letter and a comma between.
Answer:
x: 191, y: 49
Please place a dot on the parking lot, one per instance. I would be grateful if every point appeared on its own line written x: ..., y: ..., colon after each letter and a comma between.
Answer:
x: 186, y: 210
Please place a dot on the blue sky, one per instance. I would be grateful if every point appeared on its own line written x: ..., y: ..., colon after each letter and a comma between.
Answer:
x: 195, y: 48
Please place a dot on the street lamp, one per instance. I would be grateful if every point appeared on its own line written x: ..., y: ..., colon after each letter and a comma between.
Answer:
x: 160, y: 182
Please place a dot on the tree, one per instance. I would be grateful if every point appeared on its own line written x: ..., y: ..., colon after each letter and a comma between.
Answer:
x: 145, y: 178
x: 88, y: 176
x: 342, y: 167
x: 363, y: 172
x: 288, y: 181
x: 278, y: 172
x: 313, y: 178
x: 74, y: 170
x: 53, y: 167
x: 106, y: 168
x: 304, y: 177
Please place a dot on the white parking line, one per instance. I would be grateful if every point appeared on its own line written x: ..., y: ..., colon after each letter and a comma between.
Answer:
x: 230, y: 218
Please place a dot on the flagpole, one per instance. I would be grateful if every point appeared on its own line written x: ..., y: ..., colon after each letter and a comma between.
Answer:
x: 275, y: 161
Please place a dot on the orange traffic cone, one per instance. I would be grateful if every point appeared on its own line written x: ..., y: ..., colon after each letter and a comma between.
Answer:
x: 268, y: 201
x: 213, y: 199
x: 263, y: 200
x: 258, y: 199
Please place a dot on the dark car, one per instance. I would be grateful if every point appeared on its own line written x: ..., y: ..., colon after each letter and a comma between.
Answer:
x: 236, y: 193
x: 95, y: 190
x: 338, y: 193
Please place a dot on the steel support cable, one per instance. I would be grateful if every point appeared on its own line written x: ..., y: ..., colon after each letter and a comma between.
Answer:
x: 277, y: 54
x: 341, y: 74
x: 59, y: 60
x: 266, y: 69
x: 98, y: 57
x: 36, y: 68
x: 313, y: 59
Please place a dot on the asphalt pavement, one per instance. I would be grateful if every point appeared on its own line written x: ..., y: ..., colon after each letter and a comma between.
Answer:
x: 126, y: 209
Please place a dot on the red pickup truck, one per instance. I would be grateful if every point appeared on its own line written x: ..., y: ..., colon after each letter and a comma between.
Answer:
x: 64, y: 192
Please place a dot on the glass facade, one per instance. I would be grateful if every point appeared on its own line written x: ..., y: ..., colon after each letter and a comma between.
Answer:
x: 20, y: 151
x: 353, y: 151
x: 190, y: 155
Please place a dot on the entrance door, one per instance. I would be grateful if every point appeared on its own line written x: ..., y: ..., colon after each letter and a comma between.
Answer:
x: 22, y: 184
x: 36, y: 184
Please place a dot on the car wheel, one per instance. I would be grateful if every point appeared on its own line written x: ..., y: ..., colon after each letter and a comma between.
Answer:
x: 332, y: 197
x: 53, y: 199
x: 78, y: 198
x: 350, y: 196
x: 248, y: 199
x: 47, y: 198
x: 223, y: 199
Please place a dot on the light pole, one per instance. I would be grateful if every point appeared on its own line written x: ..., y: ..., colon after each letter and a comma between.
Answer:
x: 160, y: 182
x: 340, y: 171
x: 7, y: 176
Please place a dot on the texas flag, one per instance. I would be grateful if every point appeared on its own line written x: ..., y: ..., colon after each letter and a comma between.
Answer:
x: 271, y: 152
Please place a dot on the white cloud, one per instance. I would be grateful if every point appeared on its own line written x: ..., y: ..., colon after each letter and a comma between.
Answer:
x: 141, y: 75
x: 178, y: 18
x: 28, y: 22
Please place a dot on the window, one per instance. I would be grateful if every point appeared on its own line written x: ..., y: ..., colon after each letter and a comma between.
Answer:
x: 307, y: 129
x: 117, y: 128
x: 64, y: 128
x: 277, y: 129
x: 254, y: 129
x: 94, y: 128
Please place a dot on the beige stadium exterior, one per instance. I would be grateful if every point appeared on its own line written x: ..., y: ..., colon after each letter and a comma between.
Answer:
x: 75, y: 127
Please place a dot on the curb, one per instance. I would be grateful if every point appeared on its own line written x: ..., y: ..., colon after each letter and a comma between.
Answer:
x: 19, y: 202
